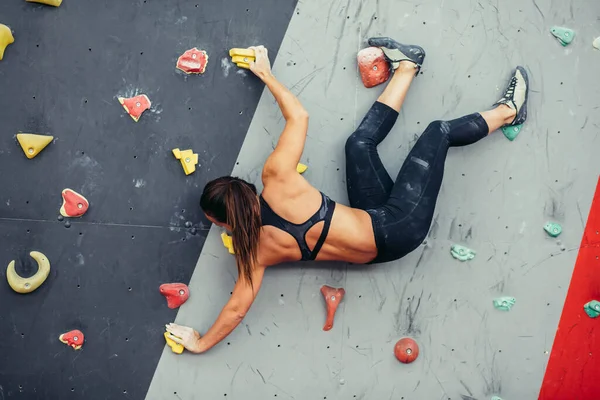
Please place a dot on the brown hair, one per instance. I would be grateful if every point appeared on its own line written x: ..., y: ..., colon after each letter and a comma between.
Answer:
x: 233, y: 201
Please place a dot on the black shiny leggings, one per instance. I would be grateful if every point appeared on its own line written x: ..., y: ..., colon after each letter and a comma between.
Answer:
x: 402, y: 211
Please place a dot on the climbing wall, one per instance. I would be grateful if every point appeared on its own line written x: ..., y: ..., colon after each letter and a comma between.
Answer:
x: 497, y: 196
x: 62, y: 77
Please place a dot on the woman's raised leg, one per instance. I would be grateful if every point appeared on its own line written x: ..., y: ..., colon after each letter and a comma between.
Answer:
x: 369, y: 185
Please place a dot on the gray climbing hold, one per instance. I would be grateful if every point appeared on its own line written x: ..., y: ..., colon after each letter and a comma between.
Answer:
x: 462, y: 253
x: 504, y: 303
x: 60, y: 218
x: 511, y: 131
x: 553, y: 228
x: 596, y: 43
x: 67, y: 224
x: 563, y: 35
x: 592, y: 309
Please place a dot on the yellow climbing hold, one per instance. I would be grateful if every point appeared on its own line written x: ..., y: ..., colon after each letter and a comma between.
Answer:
x: 242, y: 57
x: 301, y: 168
x: 54, y: 3
x: 227, y: 242
x: 188, y: 159
x: 32, y: 144
x: 28, y: 285
x: 6, y: 38
x: 175, y: 347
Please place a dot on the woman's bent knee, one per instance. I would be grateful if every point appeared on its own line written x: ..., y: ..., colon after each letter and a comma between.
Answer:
x: 355, y: 143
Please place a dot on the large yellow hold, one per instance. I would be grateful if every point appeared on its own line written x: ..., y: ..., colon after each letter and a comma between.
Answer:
x: 175, y: 347
x: 32, y: 144
x: 54, y: 3
x: 242, y: 57
x: 6, y: 38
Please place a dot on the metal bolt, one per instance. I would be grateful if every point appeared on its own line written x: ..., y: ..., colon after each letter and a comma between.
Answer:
x: 79, y: 205
x: 187, y: 160
x: 374, y: 67
x: 182, y: 292
x: 30, y: 150
x: 75, y: 338
x: 408, y: 351
x: 246, y: 59
x: 194, y: 56
x: 137, y: 104
x: 332, y: 298
x: 27, y: 285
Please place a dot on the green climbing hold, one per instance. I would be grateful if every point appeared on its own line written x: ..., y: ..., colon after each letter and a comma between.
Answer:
x: 496, y: 398
x: 553, y: 229
x: 504, y: 303
x: 462, y: 253
x: 511, y: 131
x: 592, y: 309
x: 564, y: 35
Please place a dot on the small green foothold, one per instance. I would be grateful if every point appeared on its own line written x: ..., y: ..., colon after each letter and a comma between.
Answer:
x: 496, y: 398
x: 553, y: 229
x: 592, y: 309
x: 504, y: 303
x: 462, y: 253
x: 564, y: 35
x: 511, y: 131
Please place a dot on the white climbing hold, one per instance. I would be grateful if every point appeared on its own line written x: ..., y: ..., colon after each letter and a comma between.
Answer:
x: 596, y: 43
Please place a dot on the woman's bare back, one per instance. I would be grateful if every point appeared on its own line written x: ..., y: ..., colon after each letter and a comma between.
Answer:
x: 350, y: 237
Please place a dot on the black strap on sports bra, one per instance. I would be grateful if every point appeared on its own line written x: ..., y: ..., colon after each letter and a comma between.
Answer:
x: 298, y: 231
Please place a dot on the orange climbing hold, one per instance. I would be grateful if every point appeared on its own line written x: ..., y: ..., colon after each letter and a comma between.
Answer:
x: 135, y: 106
x: 193, y: 61
x: 74, y: 205
x: 73, y: 338
x: 333, y: 297
x: 175, y: 293
x: 373, y: 66
x: 406, y: 350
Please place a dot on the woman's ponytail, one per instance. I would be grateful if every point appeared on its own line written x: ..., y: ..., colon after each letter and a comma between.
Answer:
x: 234, y: 202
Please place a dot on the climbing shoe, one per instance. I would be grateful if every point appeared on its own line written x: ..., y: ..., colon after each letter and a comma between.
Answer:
x: 395, y: 52
x: 515, y: 95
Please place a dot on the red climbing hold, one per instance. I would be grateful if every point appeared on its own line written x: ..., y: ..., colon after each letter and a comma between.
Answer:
x: 176, y: 293
x: 73, y: 338
x: 406, y: 350
x: 193, y: 61
x: 333, y: 297
x: 135, y: 106
x: 373, y: 66
x: 74, y: 204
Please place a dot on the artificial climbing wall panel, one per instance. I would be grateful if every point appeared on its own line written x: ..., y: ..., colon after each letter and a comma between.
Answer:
x: 62, y: 77
x: 496, y: 197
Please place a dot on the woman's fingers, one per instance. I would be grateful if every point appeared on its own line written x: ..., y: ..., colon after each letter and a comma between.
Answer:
x: 176, y: 339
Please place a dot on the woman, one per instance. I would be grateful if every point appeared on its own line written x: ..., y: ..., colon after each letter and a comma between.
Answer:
x: 291, y: 220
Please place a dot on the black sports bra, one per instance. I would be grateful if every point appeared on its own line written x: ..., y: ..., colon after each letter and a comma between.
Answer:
x: 298, y: 231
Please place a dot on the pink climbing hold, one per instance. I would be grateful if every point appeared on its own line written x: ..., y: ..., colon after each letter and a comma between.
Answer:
x: 175, y: 293
x: 373, y: 66
x: 332, y: 297
x: 193, y: 61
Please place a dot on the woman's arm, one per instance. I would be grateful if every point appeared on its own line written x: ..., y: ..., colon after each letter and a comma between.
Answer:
x: 232, y: 314
x: 289, y: 148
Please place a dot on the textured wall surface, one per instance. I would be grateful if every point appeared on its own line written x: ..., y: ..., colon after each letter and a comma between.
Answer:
x: 496, y: 197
